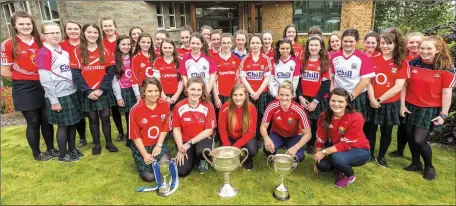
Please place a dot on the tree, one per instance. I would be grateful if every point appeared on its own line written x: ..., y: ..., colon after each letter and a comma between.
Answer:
x: 412, y: 15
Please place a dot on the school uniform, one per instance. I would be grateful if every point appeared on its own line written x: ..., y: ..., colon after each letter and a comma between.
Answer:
x: 285, y: 69
x: 122, y: 86
x: 202, y: 67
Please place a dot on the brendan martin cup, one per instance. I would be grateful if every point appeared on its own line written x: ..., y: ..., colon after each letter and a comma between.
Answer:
x: 282, y: 164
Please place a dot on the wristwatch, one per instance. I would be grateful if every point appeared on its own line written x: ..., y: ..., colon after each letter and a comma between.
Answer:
x: 444, y: 116
x: 159, y: 145
x: 190, y: 143
x: 378, y: 100
x: 324, y: 152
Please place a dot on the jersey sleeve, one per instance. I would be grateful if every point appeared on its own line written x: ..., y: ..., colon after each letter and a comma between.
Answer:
x: 325, y: 76
x: 303, y: 120
x: 332, y: 69
x: 176, y: 118
x: 297, y: 70
x: 135, y: 63
x: 222, y: 126
x: 75, y: 61
x: 367, y: 67
x: 156, y: 69
x: 241, y: 68
x: 182, y: 70
x: 211, y: 122
x: 352, y: 134
x: 212, y: 65
x: 110, y: 60
x: 267, y: 116
x: 404, y: 71
x: 321, y: 133
x: 164, y: 127
x: 43, y: 59
x: 134, y: 132
x: 7, y: 53
x: 448, y: 79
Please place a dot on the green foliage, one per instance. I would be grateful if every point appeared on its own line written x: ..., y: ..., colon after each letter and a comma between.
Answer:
x: 412, y: 15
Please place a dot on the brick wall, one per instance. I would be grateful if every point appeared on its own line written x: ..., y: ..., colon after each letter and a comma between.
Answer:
x: 276, y: 16
x: 358, y: 15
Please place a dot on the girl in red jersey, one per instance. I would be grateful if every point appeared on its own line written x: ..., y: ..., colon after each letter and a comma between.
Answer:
x: 254, y: 72
x: 290, y: 126
x: 342, y: 125
x: 141, y: 63
x: 372, y: 44
x: 286, y: 67
x: 412, y: 51
x: 134, y: 33
x: 314, y: 84
x: 215, y: 43
x: 206, y: 32
x: 121, y: 85
x: 391, y: 71
x: 149, y: 125
x: 227, y: 71
x: 185, y: 48
x: 268, y: 47
x: 193, y: 125
x: 334, y: 43
x: 167, y: 65
x: 240, y: 38
x: 93, y: 68
x: 426, y: 99
x: 198, y: 63
x: 109, y: 27
x: 290, y: 33
x: 159, y: 36
x: 71, y: 36
x: 28, y: 95
x: 62, y: 101
x: 237, y: 123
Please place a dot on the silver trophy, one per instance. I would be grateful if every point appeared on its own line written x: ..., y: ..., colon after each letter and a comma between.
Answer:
x: 226, y: 160
x: 282, y: 164
x: 164, y: 171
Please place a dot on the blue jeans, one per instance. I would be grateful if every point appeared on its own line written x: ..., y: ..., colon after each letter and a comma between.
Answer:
x: 288, y: 142
x: 344, y: 161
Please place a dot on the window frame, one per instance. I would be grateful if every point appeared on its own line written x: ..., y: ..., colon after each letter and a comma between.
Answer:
x: 183, y: 14
x: 160, y: 6
x: 324, y: 15
x: 11, y: 11
x: 26, y: 6
x: 50, y: 12
x: 173, y: 7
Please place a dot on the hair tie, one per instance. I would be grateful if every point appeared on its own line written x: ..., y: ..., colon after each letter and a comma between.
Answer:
x: 316, y: 36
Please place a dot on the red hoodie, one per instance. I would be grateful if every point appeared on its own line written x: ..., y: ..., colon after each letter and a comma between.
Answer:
x: 225, y: 129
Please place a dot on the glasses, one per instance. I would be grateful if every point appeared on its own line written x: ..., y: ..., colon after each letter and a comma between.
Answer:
x: 54, y: 33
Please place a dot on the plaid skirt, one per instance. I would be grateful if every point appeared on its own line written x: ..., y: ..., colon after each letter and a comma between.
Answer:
x: 139, y: 160
x: 129, y: 99
x: 27, y: 95
x: 262, y: 102
x: 360, y: 103
x: 106, y: 100
x: 388, y: 114
x: 180, y: 98
x: 321, y: 107
x: 422, y: 116
x: 71, y: 113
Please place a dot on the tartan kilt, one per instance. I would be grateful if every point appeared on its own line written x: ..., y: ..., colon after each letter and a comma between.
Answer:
x: 422, y: 116
x: 129, y: 99
x: 388, y: 114
x: 180, y: 98
x: 262, y: 102
x: 71, y: 113
x: 106, y: 100
x: 360, y: 103
x: 321, y: 107
x: 139, y: 161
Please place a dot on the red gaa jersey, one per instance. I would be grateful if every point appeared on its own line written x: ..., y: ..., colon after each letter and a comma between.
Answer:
x: 226, y: 72
x: 142, y: 68
x: 213, y: 52
x: 409, y: 57
x: 157, y: 52
x: 255, y: 71
x: 270, y: 53
x: 299, y: 52
x: 311, y: 78
x: 95, y: 71
x: 24, y: 67
x: 386, y: 73
x: 110, y: 46
x: 193, y: 121
x: 226, y: 130
x: 181, y: 52
x: 286, y: 123
x: 168, y: 75
x: 147, y: 124
x: 67, y: 46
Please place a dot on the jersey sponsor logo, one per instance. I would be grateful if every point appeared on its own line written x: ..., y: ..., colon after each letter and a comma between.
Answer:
x: 394, y: 70
x: 187, y: 119
x: 255, y: 75
x: 344, y: 74
x: 169, y: 75
x: 144, y: 121
x: 142, y: 65
x: 381, y: 79
x: 128, y: 73
x: 311, y: 76
x: 64, y: 68
x: 198, y: 74
x: 279, y: 118
x: 227, y: 73
x: 354, y: 66
x: 90, y: 68
x: 153, y: 132
x: 437, y: 75
x: 284, y: 75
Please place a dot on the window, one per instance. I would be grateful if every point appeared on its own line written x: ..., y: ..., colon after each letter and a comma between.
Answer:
x: 258, y: 18
x: 49, y: 12
x: 8, y: 11
x: 183, y: 13
x: 324, y: 14
x: 172, y: 15
x: 25, y: 6
x: 160, y: 19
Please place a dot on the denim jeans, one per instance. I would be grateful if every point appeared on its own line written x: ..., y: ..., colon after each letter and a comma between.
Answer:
x: 344, y: 161
x: 288, y: 142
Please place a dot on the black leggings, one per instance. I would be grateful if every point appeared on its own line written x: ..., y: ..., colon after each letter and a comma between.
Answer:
x: 417, y: 138
x: 195, y: 150
x: 117, y: 119
x: 66, y: 135
x: 251, y: 146
x: 150, y: 177
x: 81, y: 128
x: 385, y: 138
x: 313, y: 128
x: 401, y: 138
x: 94, y: 117
x: 37, y: 119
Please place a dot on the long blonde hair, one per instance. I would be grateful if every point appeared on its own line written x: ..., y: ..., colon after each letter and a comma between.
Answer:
x: 232, y: 120
x: 442, y: 60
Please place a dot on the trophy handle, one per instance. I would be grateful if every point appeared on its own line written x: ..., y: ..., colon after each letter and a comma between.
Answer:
x: 268, y: 160
x: 296, y: 159
x: 207, y: 159
x: 246, y: 155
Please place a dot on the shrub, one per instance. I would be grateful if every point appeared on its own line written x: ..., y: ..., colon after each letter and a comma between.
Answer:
x: 6, y: 101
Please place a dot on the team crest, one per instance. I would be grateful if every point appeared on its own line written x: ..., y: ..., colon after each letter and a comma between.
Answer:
x: 204, y: 67
x: 163, y: 116
x: 142, y: 65
x: 262, y: 67
x: 414, y: 71
x: 354, y: 66
x: 318, y: 69
x: 32, y: 57
x: 341, y: 130
x: 233, y: 63
x: 290, y: 120
x: 201, y: 119
x: 144, y: 121
x: 394, y: 70
x: 291, y: 68
x: 436, y: 75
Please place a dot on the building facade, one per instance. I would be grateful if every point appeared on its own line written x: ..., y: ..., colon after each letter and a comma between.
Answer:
x: 229, y: 16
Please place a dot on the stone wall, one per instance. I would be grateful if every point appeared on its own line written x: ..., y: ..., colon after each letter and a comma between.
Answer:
x: 358, y: 15
x: 276, y: 15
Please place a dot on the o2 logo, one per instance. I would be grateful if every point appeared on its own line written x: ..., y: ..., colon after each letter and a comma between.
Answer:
x: 128, y: 73
x: 153, y: 132
x: 382, y: 79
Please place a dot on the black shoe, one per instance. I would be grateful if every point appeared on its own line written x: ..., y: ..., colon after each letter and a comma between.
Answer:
x: 413, y: 168
x: 53, y: 152
x: 68, y: 158
x: 82, y: 143
x: 310, y: 150
x: 120, y: 138
x: 128, y: 143
x: 382, y: 162
x: 96, y: 150
x: 395, y: 154
x: 76, y: 153
x: 372, y: 159
x: 44, y: 156
x: 111, y: 148
x: 260, y: 145
x: 249, y: 164
x: 429, y: 173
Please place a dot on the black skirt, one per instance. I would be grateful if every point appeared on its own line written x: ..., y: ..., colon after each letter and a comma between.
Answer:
x: 71, y: 112
x: 360, y: 103
x: 262, y: 102
x: 28, y: 95
x: 321, y: 107
x: 388, y: 114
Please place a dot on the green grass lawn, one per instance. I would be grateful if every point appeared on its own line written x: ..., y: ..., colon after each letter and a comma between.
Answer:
x: 111, y: 178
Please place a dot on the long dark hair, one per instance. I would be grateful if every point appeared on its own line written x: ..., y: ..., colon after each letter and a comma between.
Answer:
x: 285, y: 32
x: 199, y: 36
x: 338, y: 35
x: 65, y: 35
x: 329, y: 114
x: 151, y: 49
x: 377, y: 38
x: 35, y: 33
x: 351, y: 32
x: 277, y: 49
x: 175, y: 55
x: 119, y: 54
x: 146, y: 82
x: 395, y: 36
x: 324, y: 59
x: 84, y: 44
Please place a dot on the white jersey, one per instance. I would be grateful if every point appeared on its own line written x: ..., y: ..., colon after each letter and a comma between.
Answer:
x: 203, y: 67
x: 288, y: 69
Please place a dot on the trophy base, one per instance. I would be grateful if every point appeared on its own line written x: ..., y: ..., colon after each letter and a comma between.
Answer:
x: 281, y: 198
x: 162, y: 192
x: 227, y: 190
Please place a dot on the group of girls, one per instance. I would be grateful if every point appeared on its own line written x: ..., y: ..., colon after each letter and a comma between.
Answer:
x: 283, y: 95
